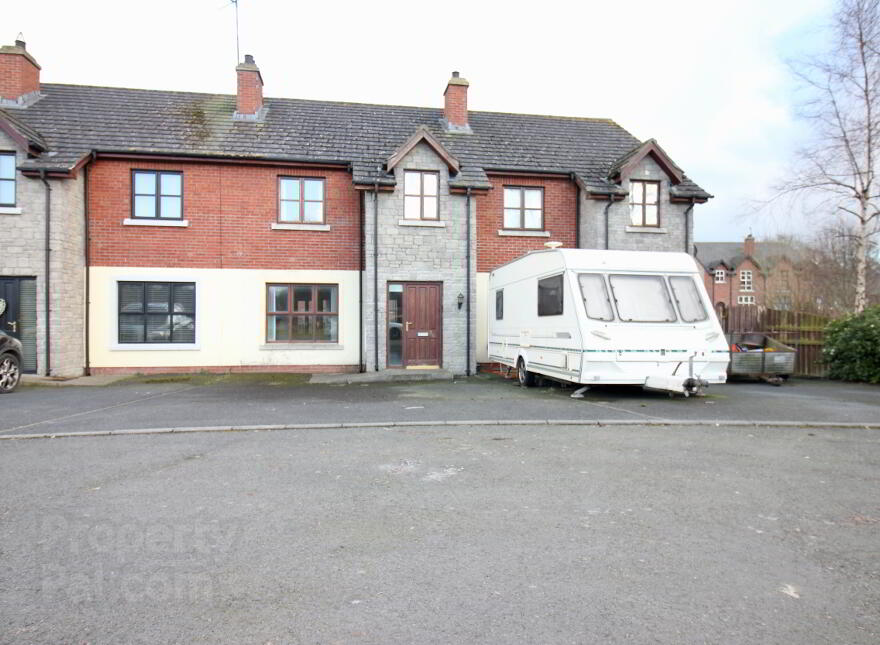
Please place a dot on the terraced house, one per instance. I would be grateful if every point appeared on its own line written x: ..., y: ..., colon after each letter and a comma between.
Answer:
x: 158, y: 231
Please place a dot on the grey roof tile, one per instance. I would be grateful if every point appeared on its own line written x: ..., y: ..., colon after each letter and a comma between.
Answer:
x: 75, y: 119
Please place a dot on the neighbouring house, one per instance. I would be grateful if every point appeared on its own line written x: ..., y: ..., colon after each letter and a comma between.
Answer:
x: 154, y: 231
x: 767, y: 274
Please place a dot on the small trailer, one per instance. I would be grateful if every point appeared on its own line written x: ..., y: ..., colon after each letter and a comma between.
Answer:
x: 757, y: 355
x: 606, y: 317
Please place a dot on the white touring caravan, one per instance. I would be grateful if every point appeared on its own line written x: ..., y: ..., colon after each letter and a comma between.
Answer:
x: 606, y: 317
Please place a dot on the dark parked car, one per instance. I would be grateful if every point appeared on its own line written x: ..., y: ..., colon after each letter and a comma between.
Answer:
x: 10, y: 363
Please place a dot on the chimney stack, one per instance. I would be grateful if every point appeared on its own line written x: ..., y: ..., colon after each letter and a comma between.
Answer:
x: 19, y: 75
x: 250, y: 90
x: 455, y: 110
x: 749, y: 245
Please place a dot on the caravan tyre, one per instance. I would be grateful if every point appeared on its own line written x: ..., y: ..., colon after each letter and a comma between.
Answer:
x: 525, y: 377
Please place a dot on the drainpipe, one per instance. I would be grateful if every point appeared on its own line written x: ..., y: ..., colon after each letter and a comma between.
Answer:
x: 47, y: 279
x: 87, y: 254
x: 376, y: 275
x: 687, y: 228
x: 467, y: 370
x: 577, y: 214
x: 361, y: 262
x: 610, y: 201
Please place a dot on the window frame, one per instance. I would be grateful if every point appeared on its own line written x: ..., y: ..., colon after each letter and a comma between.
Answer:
x: 561, y: 278
x: 722, y: 274
x: 8, y: 153
x: 302, y: 200
x: 678, y: 306
x: 421, y: 195
x: 667, y: 290
x: 607, y: 293
x: 521, y: 208
x: 644, y: 203
x: 157, y: 174
x: 746, y: 300
x: 290, y: 313
x: 145, y: 313
x: 746, y: 283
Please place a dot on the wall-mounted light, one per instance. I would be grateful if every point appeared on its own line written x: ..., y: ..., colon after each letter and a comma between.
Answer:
x: 460, y: 299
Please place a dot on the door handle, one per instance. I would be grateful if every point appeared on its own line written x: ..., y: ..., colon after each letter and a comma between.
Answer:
x: 407, y: 325
x: 14, y: 325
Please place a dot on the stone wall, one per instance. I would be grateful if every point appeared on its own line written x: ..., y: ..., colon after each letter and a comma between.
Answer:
x: 669, y: 236
x: 23, y: 231
x: 408, y: 252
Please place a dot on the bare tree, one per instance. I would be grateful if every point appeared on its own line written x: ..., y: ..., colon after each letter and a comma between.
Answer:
x: 840, y: 161
x: 831, y: 267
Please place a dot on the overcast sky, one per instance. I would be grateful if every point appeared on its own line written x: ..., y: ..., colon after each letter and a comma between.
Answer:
x: 707, y: 79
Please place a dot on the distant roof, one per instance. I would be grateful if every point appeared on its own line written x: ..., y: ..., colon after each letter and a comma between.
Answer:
x: 711, y: 254
x: 74, y: 120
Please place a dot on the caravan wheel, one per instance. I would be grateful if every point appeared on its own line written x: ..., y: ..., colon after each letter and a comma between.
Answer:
x: 525, y: 377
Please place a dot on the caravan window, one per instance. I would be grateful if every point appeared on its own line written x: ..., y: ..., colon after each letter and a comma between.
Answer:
x: 550, y: 296
x: 690, y: 306
x: 642, y: 298
x: 595, y: 295
x: 499, y: 304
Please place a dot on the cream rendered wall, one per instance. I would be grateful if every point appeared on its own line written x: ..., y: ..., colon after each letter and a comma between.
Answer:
x: 482, y: 318
x: 230, y: 320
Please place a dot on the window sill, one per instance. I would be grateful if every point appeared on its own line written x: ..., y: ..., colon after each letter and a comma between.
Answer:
x: 421, y: 222
x: 645, y: 229
x: 155, y: 347
x: 506, y: 232
x: 178, y: 223
x: 9, y: 210
x: 297, y: 346
x: 280, y: 226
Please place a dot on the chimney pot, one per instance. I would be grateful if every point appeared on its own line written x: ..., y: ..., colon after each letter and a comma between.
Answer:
x: 20, y: 43
x: 454, y: 74
x: 249, y: 59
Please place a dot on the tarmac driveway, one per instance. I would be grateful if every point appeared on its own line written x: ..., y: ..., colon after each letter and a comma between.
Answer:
x: 548, y: 534
x: 242, y: 400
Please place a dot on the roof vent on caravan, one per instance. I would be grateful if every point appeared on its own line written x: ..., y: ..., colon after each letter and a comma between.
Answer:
x: 552, y: 245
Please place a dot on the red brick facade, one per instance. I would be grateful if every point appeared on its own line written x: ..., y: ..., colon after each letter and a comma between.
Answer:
x: 729, y: 291
x: 18, y: 75
x: 230, y: 209
x: 560, y: 207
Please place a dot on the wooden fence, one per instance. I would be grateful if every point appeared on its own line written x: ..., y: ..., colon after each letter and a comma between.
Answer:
x: 805, y: 332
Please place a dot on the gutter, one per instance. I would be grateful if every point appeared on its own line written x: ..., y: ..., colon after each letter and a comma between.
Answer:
x: 170, y: 156
x: 47, y: 279
x: 467, y: 370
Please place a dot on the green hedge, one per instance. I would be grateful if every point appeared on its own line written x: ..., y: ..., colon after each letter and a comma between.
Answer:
x: 852, y: 347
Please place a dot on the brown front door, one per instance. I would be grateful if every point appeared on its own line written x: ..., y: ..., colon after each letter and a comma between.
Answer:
x: 422, y: 324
